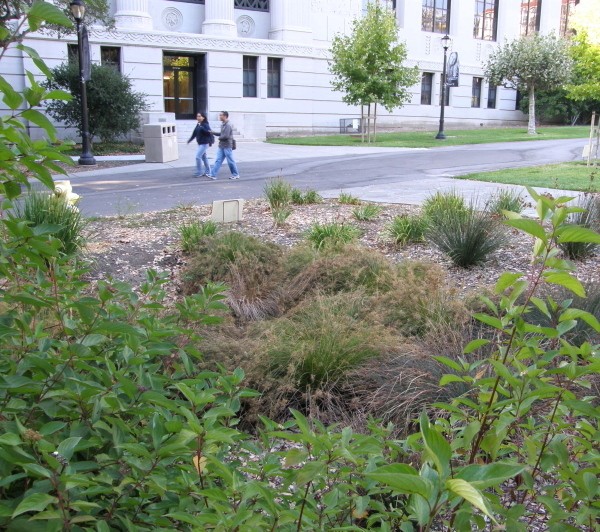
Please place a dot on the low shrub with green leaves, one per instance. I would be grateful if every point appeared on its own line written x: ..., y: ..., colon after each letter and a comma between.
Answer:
x: 406, y: 229
x: 587, y: 215
x: 366, y: 213
x: 348, y: 199
x: 467, y: 236
x: 40, y: 208
x: 193, y: 232
x: 331, y: 234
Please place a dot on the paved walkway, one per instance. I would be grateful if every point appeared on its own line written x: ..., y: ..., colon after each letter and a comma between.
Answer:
x: 408, y: 191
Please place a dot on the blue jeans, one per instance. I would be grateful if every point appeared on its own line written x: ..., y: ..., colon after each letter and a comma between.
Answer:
x: 223, y: 153
x: 201, y: 157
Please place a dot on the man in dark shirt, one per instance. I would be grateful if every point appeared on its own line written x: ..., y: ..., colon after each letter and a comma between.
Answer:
x: 225, y: 149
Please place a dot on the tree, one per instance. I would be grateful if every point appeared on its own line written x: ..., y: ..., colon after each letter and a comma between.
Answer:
x: 107, y: 89
x: 586, y: 70
x: 367, y: 64
x: 530, y: 63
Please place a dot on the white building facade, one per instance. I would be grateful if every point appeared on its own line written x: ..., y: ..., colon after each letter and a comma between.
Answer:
x: 265, y: 61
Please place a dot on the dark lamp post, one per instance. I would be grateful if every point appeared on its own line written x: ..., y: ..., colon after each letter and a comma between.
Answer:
x: 445, y: 44
x: 78, y: 10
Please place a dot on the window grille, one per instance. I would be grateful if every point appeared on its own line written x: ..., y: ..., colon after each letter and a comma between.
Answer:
x: 426, y: 88
x: 435, y: 16
x: 491, y: 99
x: 250, y: 76
x: 476, y: 92
x: 111, y: 56
x: 273, y: 77
x: 486, y: 20
x: 254, y: 5
x: 530, y: 16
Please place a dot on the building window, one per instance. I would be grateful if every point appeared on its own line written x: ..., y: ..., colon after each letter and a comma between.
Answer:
x: 254, y: 5
x: 530, y: 16
x: 110, y: 56
x: 518, y: 99
x: 476, y: 92
x: 426, y: 88
x: 273, y: 77
x: 73, y: 53
x: 436, y: 16
x: 250, y: 76
x: 486, y: 20
x: 566, y: 10
x: 491, y: 103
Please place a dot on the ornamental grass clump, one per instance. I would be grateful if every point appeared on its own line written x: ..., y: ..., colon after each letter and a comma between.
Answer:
x: 506, y: 199
x: 366, y: 213
x: 191, y: 233
x: 331, y: 234
x: 279, y: 195
x: 305, y: 198
x: 589, y: 218
x: 406, y: 229
x: 348, y: 199
x: 438, y: 205
x: 43, y: 208
x: 467, y: 236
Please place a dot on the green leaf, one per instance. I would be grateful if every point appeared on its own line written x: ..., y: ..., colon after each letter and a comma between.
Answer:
x: 463, y: 489
x: 566, y: 280
x: 34, y: 503
x: 528, y: 226
x: 475, y: 344
x: 401, y: 482
x: 58, y: 95
x: 486, y: 476
x: 574, y: 313
x: 11, y: 98
x: 40, y: 120
x: 576, y: 233
x: 506, y: 279
x: 489, y: 320
x: 10, y: 439
x: 436, y: 444
x: 66, y: 447
x: 115, y: 327
x: 44, y: 12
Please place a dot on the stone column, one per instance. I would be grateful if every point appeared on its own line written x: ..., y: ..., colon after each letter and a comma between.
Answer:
x: 133, y: 14
x: 290, y: 21
x: 219, y: 18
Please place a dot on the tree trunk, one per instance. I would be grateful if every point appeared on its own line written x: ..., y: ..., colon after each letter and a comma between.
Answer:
x: 369, y: 124
x: 375, y: 124
x: 362, y: 122
x: 531, y: 126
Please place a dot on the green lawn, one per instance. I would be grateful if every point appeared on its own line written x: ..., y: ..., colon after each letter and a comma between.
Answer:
x: 566, y: 176
x: 426, y: 139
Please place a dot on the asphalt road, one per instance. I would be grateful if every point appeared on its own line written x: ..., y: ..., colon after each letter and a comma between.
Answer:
x: 127, y: 190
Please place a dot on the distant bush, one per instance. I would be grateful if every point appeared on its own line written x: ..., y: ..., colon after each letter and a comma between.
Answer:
x: 348, y: 199
x: 193, y: 232
x: 42, y: 208
x: 466, y: 235
x: 366, y: 213
x: 331, y: 234
x: 406, y: 229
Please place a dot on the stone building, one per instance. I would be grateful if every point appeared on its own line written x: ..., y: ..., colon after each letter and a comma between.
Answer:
x: 265, y: 61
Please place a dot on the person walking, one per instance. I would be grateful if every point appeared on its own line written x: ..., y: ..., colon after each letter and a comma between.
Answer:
x: 205, y: 138
x: 225, y: 149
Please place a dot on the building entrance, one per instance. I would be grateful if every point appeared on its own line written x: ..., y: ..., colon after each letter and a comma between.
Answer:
x: 184, y: 84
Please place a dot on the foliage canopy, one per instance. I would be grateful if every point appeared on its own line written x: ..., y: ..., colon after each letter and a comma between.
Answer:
x: 107, y: 89
x: 530, y: 63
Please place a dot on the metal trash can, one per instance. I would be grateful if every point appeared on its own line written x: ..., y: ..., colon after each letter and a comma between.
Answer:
x: 160, y: 143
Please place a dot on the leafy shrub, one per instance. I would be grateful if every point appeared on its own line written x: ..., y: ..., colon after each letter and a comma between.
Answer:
x: 193, y: 232
x: 506, y: 199
x: 107, y: 89
x: 590, y: 219
x: 305, y: 198
x: 441, y: 204
x: 213, y: 259
x: 348, y: 199
x: 366, y: 213
x: 42, y: 208
x: 331, y: 234
x: 467, y: 236
x: 406, y: 229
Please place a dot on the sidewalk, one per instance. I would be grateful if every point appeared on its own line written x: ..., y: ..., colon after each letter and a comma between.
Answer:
x: 411, y: 192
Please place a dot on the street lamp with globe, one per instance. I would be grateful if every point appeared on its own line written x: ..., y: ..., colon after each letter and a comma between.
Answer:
x: 445, y: 44
x: 78, y: 10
